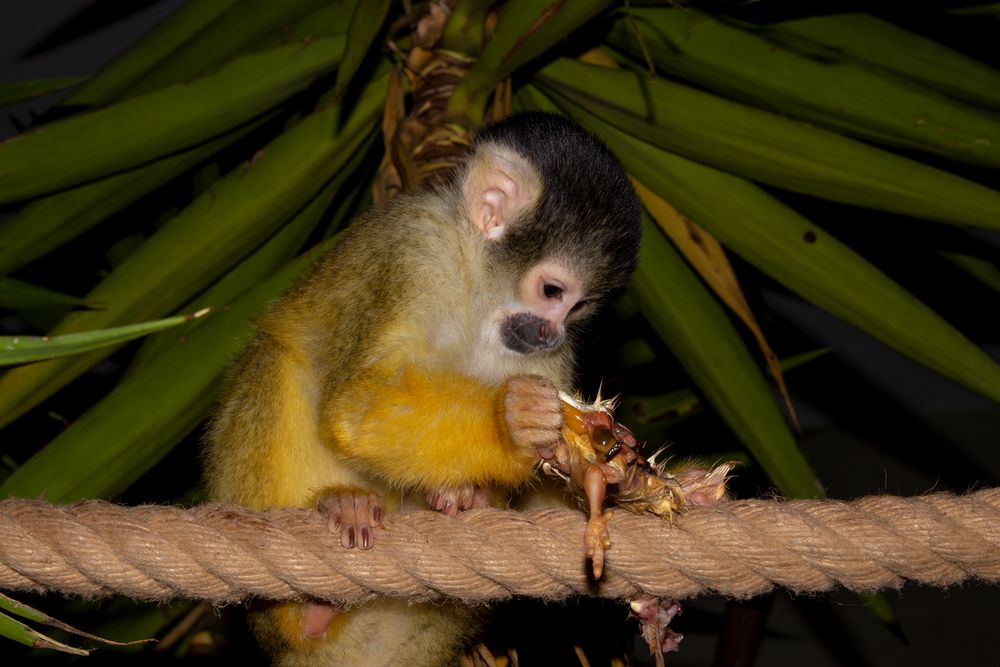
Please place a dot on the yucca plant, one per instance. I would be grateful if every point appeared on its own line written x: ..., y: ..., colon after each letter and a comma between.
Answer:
x: 208, y: 164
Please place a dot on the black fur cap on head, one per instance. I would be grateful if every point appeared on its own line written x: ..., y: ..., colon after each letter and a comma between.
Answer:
x: 587, y: 213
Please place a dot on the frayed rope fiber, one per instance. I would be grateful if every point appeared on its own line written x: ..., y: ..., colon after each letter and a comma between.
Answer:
x: 224, y: 553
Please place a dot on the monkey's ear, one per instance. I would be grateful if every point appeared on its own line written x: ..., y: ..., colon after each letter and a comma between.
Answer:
x: 499, y: 185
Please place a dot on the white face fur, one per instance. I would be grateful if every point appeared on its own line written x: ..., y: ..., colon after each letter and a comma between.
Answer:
x: 520, y: 335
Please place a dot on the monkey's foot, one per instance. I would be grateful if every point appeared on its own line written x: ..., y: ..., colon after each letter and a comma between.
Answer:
x: 534, y: 417
x: 354, y: 514
x: 654, y: 616
x: 316, y: 619
x: 454, y: 500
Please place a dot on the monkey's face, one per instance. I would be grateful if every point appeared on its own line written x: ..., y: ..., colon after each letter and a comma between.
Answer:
x: 549, y: 296
x: 558, y: 223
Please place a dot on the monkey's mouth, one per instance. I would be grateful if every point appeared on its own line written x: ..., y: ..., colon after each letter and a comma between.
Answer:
x: 525, y: 333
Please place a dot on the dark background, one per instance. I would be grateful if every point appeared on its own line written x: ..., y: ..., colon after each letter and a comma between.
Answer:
x: 873, y: 421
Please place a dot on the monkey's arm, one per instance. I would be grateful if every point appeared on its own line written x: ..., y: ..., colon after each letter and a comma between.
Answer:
x: 424, y: 429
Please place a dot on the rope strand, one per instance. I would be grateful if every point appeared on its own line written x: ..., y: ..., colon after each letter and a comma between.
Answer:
x: 224, y: 553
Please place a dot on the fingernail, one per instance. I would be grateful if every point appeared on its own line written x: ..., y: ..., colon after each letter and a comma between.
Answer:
x: 377, y: 515
x: 366, y: 538
x: 350, y: 537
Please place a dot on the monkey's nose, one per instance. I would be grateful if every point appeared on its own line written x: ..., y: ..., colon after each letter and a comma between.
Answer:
x: 526, y: 333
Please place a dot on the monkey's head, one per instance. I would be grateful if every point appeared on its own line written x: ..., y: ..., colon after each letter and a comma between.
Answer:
x: 559, y: 220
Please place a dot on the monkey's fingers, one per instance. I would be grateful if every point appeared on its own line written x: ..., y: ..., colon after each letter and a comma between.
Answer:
x: 534, y: 416
x: 535, y: 400
x: 452, y: 501
x: 353, y: 514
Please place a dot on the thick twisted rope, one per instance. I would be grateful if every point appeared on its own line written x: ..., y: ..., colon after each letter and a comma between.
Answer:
x: 743, y: 548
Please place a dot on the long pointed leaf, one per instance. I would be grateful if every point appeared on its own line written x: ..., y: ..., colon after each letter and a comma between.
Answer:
x: 23, y: 634
x: 24, y: 349
x: 50, y: 222
x: 704, y: 253
x: 98, y: 143
x: 15, y: 92
x: 768, y: 148
x: 19, y: 295
x: 10, y: 605
x: 267, y: 259
x: 526, y: 29
x: 155, y: 45
x: 835, y: 91
x: 239, y: 28
x: 894, y: 49
x: 695, y: 327
x: 147, y: 413
x: 197, y: 246
x: 804, y: 258
x: 366, y: 23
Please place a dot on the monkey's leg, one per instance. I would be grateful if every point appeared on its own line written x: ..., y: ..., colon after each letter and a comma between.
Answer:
x: 316, y: 618
x: 353, y: 514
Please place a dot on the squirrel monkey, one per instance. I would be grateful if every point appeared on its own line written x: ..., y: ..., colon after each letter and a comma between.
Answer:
x: 423, y: 355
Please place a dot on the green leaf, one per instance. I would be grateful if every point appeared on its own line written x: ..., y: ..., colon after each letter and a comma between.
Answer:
x: 19, y: 295
x: 366, y: 23
x: 891, y: 48
x: 804, y: 258
x: 270, y: 257
x: 118, y: 137
x: 14, y: 92
x: 147, y: 413
x: 834, y: 91
x: 190, y: 251
x: 50, y: 222
x: 24, y: 349
x: 22, y: 634
x: 326, y: 20
x: 167, y: 36
x: 672, y: 407
x: 525, y: 30
x: 12, y: 606
x: 981, y: 269
x: 241, y: 28
x: 987, y: 9
x: 697, y: 330
x: 769, y: 148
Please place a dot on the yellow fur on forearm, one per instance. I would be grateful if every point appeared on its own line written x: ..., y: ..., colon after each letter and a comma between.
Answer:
x: 422, y: 429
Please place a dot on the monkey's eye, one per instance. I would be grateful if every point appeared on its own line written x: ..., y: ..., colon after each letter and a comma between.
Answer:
x: 552, y: 291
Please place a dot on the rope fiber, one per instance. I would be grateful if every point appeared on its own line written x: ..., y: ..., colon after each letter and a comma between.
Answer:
x: 224, y: 553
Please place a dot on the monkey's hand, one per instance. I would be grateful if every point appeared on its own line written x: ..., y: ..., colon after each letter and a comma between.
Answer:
x: 354, y: 514
x: 451, y: 501
x: 534, y: 416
